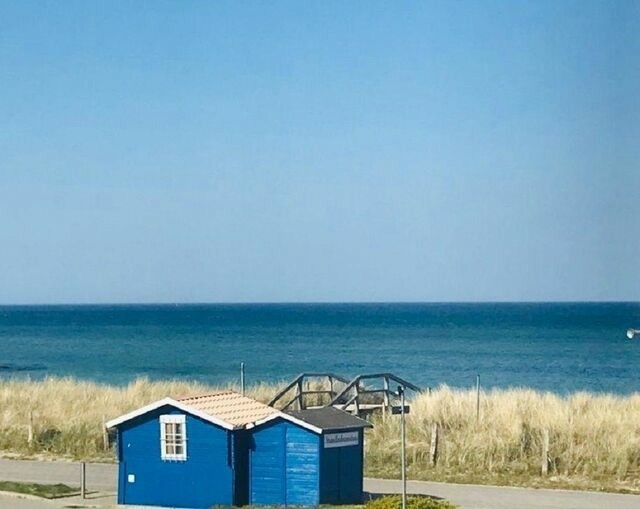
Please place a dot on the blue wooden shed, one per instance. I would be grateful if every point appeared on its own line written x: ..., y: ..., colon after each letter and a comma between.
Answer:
x: 307, y: 458
x: 188, y: 453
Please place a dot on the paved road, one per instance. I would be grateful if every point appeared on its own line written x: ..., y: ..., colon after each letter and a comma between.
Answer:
x: 469, y: 496
x: 100, y: 476
x: 103, y: 478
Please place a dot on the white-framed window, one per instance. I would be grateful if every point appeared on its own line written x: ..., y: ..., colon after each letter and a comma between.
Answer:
x: 173, y: 437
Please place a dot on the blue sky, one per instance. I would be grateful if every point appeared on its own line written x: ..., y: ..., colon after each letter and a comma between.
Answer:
x: 328, y: 151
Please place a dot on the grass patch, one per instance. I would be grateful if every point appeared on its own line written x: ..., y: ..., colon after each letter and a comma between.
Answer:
x: 38, y: 490
x: 413, y: 502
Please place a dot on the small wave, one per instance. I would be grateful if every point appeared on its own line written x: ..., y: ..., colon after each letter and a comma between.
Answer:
x: 13, y: 368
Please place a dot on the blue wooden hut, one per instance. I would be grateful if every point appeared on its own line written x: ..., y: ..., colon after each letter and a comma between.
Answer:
x: 307, y: 458
x: 190, y: 453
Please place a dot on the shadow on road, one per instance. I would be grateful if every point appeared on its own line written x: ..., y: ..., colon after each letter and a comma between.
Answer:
x: 368, y: 495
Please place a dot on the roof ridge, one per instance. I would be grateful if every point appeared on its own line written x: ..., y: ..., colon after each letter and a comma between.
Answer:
x: 208, y: 394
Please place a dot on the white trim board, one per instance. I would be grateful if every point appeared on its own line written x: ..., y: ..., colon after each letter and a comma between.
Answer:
x: 171, y: 402
x: 286, y: 417
x: 207, y: 417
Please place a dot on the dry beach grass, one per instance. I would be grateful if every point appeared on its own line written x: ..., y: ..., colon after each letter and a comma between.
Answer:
x: 594, y: 439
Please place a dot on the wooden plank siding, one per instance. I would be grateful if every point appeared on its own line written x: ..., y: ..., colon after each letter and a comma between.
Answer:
x: 204, y: 479
x: 303, y: 466
x: 267, y: 466
x: 285, y: 465
x: 289, y: 465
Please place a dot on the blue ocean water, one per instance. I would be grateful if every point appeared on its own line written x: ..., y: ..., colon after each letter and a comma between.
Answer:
x: 560, y: 347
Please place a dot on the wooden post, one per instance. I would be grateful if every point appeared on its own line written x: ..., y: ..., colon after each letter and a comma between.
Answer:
x: 433, y: 449
x: 385, y: 396
x: 83, y: 480
x: 30, y: 428
x: 477, y: 397
x: 105, y: 434
x: 300, y: 391
x: 545, y: 452
x: 242, y: 377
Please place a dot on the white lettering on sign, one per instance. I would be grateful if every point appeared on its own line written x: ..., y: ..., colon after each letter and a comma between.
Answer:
x: 341, y: 439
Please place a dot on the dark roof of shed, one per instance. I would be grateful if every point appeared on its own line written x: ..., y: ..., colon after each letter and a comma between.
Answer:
x: 329, y: 418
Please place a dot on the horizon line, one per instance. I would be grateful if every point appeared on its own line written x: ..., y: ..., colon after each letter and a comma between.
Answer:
x: 319, y: 302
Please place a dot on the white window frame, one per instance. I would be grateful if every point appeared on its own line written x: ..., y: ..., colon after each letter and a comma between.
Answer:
x: 173, y: 419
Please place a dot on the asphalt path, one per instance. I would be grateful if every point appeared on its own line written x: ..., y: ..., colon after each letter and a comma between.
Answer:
x: 471, y: 496
x: 102, y: 478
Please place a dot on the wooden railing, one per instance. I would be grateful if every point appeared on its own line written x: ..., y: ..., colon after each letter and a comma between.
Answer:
x: 301, y: 385
x: 352, y: 395
x: 354, y: 391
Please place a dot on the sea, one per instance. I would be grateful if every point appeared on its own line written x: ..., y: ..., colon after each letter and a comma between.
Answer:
x: 558, y: 347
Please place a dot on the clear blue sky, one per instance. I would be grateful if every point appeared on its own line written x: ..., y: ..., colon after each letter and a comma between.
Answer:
x: 327, y: 151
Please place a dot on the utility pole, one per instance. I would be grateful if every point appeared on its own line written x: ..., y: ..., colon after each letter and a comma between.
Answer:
x: 403, y: 446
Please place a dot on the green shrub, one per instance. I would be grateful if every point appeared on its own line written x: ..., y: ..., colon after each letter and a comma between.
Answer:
x: 414, y: 502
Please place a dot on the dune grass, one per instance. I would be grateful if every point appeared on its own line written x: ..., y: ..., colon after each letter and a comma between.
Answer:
x: 68, y: 414
x: 594, y: 439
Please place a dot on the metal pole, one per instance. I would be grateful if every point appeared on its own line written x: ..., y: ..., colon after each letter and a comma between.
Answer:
x: 242, y: 377
x: 83, y: 480
x: 403, y: 448
x: 478, y: 397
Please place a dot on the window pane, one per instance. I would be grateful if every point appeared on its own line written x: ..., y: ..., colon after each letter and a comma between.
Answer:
x: 173, y: 444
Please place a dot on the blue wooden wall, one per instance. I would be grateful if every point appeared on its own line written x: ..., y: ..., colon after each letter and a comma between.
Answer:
x: 284, y: 465
x: 206, y: 478
x: 290, y: 466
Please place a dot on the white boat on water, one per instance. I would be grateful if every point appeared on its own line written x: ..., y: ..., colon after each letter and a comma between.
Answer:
x: 632, y: 332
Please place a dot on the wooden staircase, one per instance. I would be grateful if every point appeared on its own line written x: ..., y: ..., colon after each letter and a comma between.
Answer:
x: 359, y: 396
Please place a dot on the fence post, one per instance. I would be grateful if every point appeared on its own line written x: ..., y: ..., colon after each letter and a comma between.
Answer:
x: 242, y: 377
x: 433, y: 449
x: 477, y: 397
x: 545, y: 452
x: 30, y: 428
x: 83, y: 480
x: 105, y: 434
